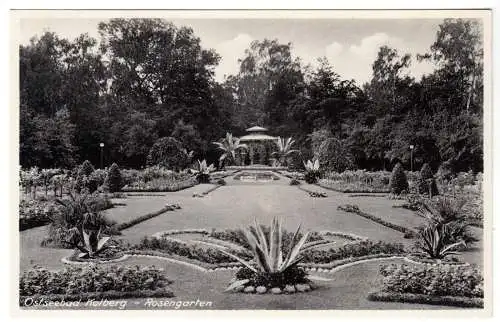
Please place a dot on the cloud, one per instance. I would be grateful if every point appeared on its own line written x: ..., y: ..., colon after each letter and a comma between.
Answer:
x: 231, y: 50
x: 369, y: 46
x: 334, y: 49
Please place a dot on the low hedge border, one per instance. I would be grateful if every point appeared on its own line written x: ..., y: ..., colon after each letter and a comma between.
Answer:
x: 67, y: 260
x: 205, y: 193
x: 354, y: 209
x: 374, y: 195
x: 414, y: 260
x: 322, y: 185
x: 23, y: 300
x: 466, y: 302
x: 342, y: 263
x: 140, y: 219
x: 201, y: 266
x: 314, y: 194
x: 144, y: 195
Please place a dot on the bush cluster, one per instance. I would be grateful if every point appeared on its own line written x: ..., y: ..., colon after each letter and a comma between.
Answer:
x: 93, y: 278
x: 441, y: 280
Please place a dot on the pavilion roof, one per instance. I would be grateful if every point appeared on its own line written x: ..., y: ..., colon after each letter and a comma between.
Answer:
x: 257, y: 137
x: 256, y: 129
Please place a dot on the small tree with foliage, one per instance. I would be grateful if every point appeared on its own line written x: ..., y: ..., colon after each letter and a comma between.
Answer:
x: 425, y: 180
x: 168, y: 152
x: 399, y: 182
x: 83, y: 177
x: 114, y: 178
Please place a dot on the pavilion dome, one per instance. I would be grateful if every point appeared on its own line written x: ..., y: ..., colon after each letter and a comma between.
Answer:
x: 256, y: 134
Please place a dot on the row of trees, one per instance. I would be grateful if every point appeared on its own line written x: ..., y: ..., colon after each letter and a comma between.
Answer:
x: 147, y: 80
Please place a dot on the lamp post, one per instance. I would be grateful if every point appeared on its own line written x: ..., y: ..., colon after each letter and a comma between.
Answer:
x: 101, y: 145
x: 411, y: 157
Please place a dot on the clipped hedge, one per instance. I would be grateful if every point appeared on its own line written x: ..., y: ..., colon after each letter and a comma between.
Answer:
x: 140, y: 219
x: 460, y: 301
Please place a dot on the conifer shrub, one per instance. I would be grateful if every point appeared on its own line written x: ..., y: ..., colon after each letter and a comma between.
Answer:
x: 114, y: 178
x: 398, y: 182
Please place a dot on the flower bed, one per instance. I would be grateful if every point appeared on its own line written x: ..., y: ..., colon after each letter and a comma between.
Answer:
x: 93, y: 281
x: 356, y: 248
x: 161, y: 185
x: 443, y: 285
x: 409, y: 233
x: 35, y: 213
x: 425, y: 260
x: 355, y: 187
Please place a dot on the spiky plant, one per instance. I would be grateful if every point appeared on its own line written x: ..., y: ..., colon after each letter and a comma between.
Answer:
x: 203, y: 171
x: 312, y: 171
x: 268, y: 252
x: 284, y: 150
x: 229, y: 145
x: 435, y: 241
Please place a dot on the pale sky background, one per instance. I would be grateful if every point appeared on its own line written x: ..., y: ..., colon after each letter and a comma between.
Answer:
x: 350, y: 45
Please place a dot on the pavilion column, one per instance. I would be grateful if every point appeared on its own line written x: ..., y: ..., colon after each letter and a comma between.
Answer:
x: 251, y: 152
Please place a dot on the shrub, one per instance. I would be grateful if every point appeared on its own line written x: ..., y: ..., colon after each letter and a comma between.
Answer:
x: 221, y: 182
x: 78, y: 280
x: 87, y: 178
x: 71, y: 214
x: 168, y: 152
x: 114, y: 178
x: 398, y: 183
x: 425, y: 180
x: 433, y: 280
x: 294, y: 182
x: 203, y: 171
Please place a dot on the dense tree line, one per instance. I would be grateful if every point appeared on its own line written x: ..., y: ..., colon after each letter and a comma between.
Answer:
x: 146, y: 80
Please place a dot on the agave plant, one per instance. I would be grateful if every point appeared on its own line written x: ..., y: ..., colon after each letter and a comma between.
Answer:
x: 312, y: 171
x: 267, y: 250
x: 203, y: 171
x: 284, y: 150
x: 229, y: 145
x: 434, y: 241
x: 89, y: 238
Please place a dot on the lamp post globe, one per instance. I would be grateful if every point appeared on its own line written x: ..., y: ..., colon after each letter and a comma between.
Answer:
x: 411, y: 157
x: 101, y: 145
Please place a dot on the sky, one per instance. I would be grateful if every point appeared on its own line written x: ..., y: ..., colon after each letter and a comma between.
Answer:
x: 350, y: 45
